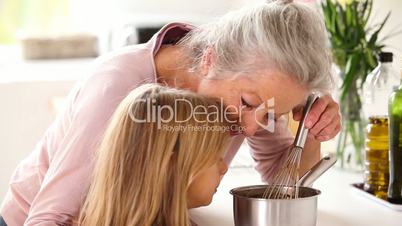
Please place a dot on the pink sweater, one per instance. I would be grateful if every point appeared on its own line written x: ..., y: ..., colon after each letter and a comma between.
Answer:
x: 48, y: 186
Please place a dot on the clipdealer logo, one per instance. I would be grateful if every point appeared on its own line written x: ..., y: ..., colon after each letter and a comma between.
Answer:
x: 267, y: 108
x: 164, y: 114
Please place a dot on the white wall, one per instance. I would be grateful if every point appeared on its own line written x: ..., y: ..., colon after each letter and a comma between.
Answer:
x: 108, y: 11
x: 208, y: 7
x: 381, y: 8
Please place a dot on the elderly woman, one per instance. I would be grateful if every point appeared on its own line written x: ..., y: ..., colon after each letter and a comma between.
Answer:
x: 274, y: 52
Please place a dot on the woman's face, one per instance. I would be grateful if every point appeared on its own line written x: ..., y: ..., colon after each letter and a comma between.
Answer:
x: 249, y: 97
x: 205, y: 184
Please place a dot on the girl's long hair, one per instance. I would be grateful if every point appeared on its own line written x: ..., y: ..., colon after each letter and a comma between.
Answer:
x: 143, y: 169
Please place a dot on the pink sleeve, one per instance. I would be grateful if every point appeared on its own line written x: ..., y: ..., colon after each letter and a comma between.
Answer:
x: 269, y: 150
x: 65, y: 183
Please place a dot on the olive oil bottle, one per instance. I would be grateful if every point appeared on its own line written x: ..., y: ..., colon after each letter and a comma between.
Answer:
x: 376, y: 171
x: 378, y: 86
x: 395, y: 146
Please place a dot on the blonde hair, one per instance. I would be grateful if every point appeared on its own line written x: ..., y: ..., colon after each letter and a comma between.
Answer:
x: 286, y: 35
x: 143, y: 171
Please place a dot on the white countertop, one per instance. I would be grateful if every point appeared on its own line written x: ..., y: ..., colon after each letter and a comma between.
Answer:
x: 338, y: 205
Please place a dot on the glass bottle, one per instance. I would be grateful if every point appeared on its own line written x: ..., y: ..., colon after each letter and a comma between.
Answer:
x: 395, y: 146
x: 376, y: 171
x: 378, y: 86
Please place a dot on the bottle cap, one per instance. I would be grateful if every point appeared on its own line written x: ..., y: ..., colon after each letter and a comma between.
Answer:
x: 385, y: 57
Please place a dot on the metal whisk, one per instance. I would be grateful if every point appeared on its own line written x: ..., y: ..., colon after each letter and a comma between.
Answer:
x: 285, y: 185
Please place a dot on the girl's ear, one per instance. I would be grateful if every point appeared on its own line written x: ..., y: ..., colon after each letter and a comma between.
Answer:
x: 208, y: 60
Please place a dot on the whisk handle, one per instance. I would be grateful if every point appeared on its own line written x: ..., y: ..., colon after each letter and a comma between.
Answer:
x: 302, y: 131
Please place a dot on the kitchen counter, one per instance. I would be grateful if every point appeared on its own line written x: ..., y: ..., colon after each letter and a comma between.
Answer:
x: 338, y: 205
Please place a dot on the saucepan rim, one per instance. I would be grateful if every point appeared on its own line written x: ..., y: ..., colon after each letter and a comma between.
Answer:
x: 235, y: 194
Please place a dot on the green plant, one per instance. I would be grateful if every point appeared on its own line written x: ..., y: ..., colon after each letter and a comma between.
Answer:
x: 355, y: 44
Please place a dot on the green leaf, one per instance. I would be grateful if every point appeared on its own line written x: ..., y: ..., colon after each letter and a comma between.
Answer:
x: 364, y: 8
x: 374, y: 36
x: 350, y: 74
x: 364, y: 75
x: 368, y: 12
x: 370, y: 58
x: 349, y: 15
x: 340, y: 24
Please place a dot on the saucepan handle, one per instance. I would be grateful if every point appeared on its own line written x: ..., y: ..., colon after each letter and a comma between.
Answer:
x: 317, y: 170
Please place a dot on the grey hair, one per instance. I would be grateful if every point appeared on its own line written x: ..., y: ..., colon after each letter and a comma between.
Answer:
x: 282, y: 34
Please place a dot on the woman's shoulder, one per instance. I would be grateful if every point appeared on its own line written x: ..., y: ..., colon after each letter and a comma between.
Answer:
x: 127, y: 66
x: 129, y: 57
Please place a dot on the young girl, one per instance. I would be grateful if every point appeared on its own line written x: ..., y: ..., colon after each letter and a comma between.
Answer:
x: 152, y: 166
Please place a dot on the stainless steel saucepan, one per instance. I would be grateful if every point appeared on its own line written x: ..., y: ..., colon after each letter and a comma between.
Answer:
x: 250, y: 209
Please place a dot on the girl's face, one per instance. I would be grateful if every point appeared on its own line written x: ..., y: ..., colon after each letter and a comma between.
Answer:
x: 205, y: 184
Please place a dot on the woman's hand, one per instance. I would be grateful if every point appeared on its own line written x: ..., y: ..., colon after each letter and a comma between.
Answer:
x: 323, y: 120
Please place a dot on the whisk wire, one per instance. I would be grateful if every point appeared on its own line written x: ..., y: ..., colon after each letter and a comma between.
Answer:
x: 284, y: 185
x: 285, y: 181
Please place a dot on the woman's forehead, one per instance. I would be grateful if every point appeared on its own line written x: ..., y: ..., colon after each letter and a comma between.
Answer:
x: 283, y: 91
x: 281, y: 106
